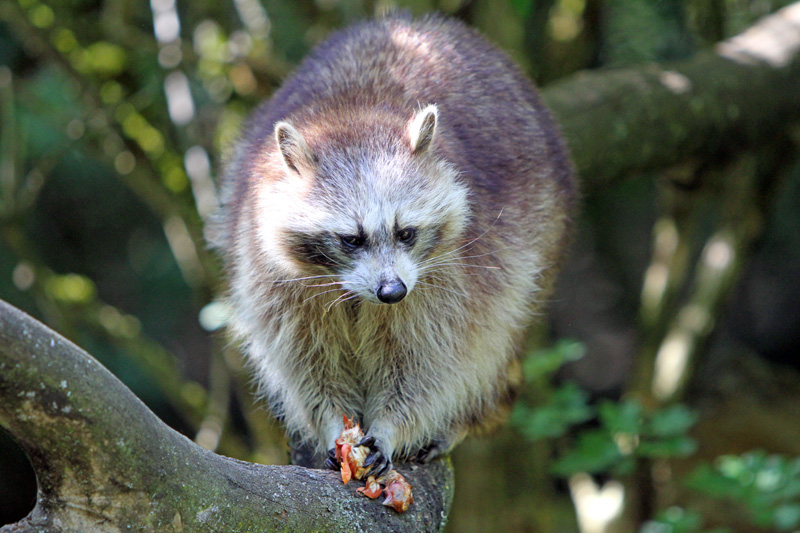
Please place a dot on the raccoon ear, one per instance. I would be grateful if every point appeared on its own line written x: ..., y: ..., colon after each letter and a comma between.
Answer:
x: 295, y: 152
x: 422, y: 128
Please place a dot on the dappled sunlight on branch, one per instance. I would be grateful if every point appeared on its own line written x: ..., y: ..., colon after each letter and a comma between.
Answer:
x: 695, y: 319
x: 775, y: 42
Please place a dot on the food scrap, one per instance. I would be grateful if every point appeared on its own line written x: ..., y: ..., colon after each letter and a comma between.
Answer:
x: 397, y: 491
x: 351, y: 456
x: 372, y: 489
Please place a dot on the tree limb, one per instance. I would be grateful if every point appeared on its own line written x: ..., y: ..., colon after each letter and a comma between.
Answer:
x: 105, y: 462
x: 741, y: 93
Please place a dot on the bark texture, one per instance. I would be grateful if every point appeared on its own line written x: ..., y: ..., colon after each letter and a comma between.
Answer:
x: 104, y: 462
x: 743, y: 92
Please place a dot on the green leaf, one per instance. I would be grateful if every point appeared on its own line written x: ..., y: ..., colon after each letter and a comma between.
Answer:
x: 105, y: 58
x: 542, y: 364
x: 675, y: 447
x: 594, y: 452
x: 767, y: 485
x: 671, y: 422
x: 674, y: 520
x: 787, y: 517
x: 522, y: 7
x: 622, y: 417
x: 709, y: 480
x: 625, y: 467
x: 567, y: 407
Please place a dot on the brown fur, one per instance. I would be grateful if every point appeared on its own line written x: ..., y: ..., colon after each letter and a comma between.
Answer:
x: 347, y: 149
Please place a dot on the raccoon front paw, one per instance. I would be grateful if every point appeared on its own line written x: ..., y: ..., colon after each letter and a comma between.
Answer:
x: 432, y: 450
x: 377, y: 462
x: 357, y: 455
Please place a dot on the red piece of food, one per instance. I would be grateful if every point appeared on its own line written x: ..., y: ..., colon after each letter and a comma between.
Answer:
x: 348, y: 453
x: 351, y: 456
x: 348, y: 423
x: 372, y: 489
x: 397, y: 492
x: 344, y: 451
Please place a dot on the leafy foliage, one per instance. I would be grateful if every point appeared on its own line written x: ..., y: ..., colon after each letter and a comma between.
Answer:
x: 625, y: 431
x: 768, y: 486
x: 676, y: 520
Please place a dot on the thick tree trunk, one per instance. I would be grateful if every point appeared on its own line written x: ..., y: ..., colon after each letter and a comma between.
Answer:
x: 104, y: 462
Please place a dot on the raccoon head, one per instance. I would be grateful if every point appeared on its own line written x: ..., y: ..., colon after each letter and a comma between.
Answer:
x: 372, y: 210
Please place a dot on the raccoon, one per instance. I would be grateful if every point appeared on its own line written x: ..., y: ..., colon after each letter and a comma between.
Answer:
x: 391, y: 221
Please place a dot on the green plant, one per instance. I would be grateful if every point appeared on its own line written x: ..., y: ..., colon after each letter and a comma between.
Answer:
x: 607, y: 437
x: 768, y: 486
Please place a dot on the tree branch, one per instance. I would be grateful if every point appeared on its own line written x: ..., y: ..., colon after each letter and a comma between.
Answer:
x: 741, y: 93
x: 105, y: 462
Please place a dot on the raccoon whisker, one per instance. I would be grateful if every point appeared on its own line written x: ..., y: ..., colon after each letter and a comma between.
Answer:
x: 303, y: 279
x: 324, y: 292
x: 476, y: 238
x: 454, y: 255
x: 435, y: 286
x: 351, y: 297
x: 469, y: 269
x: 453, y: 263
x: 342, y: 298
x: 482, y: 255
x: 355, y: 297
x: 444, y: 257
x: 326, y: 284
x: 433, y: 275
x: 333, y: 261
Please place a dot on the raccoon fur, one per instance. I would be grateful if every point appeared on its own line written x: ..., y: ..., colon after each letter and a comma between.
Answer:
x: 391, y: 221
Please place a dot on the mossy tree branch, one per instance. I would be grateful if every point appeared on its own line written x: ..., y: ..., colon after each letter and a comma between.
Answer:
x: 743, y: 92
x: 104, y: 462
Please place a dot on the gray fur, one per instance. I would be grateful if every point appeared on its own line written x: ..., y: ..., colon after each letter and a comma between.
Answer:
x: 411, y: 151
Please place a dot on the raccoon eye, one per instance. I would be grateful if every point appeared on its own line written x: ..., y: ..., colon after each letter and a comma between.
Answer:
x: 352, y: 241
x: 406, y: 235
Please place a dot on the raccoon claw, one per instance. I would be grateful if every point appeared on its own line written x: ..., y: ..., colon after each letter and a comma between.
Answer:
x: 430, y: 451
x: 332, y: 462
x: 367, y: 441
x: 377, y: 463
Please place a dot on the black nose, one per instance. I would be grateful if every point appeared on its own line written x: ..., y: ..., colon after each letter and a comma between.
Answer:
x: 391, y: 292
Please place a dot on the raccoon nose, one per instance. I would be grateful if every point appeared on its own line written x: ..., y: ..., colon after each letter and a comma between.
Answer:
x: 391, y: 292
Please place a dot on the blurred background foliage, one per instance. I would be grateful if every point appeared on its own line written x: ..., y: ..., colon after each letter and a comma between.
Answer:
x: 115, y: 117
